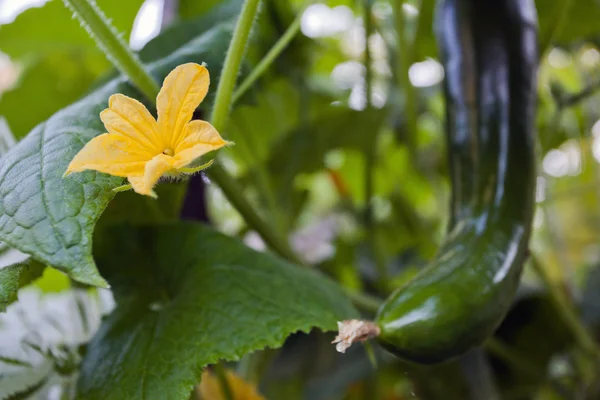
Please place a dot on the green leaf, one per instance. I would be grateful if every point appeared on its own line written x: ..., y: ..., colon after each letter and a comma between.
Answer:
x: 303, y: 150
x: 192, y: 8
x: 336, y: 127
x: 47, y: 84
x: 13, y: 277
x: 187, y: 297
x: 51, y: 27
x: 131, y: 208
x: 7, y: 139
x: 52, y: 218
x: 580, y: 23
x: 178, y: 35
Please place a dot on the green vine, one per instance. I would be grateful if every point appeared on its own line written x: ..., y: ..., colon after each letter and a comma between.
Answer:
x: 112, y: 45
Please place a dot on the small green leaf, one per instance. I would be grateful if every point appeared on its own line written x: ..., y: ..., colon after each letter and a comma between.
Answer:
x: 187, y: 297
x: 52, y: 218
x: 51, y: 27
x: 13, y: 277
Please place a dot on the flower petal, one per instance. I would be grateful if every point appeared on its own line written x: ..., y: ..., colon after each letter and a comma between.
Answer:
x: 210, y: 387
x: 112, y: 154
x: 155, y: 168
x: 200, y: 137
x: 128, y: 117
x: 183, y: 90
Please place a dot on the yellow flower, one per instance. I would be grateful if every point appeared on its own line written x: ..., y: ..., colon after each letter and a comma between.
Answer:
x: 142, y: 149
x: 210, y: 388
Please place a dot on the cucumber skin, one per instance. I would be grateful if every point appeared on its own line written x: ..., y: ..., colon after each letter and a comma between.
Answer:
x: 489, y: 51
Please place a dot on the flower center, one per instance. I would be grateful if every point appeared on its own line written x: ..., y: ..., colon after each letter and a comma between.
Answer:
x: 168, y: 152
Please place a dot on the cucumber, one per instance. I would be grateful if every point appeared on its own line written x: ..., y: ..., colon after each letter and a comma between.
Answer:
x: 490, y: 56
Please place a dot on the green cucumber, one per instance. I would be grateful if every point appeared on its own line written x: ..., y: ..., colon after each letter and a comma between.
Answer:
x: 489, y: 52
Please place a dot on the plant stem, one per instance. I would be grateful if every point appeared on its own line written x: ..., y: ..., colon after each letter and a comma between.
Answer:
x: 268, y: 192
x: 367, y: 63
x: 364, y: 301
x: 582, y: 337
x: 219, y: 116
x: 372, y: 147
x: 224, y: 95
x: 237, y: 48
x: 234, y: 194
x: 261, y: 176
x: 403, y: 61
x: 223, y: 381
x: 268, y: 59
x: 113, y: 45
x: 371, y: 153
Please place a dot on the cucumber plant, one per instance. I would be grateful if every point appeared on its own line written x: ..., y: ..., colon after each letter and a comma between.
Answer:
x: 137, y: 276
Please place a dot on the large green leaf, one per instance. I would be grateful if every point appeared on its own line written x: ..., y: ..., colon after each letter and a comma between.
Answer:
x: 52, y: 27
x: 52, y: 218
x: 187, y: 297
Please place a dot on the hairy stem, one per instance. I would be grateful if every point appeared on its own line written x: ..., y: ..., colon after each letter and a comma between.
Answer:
x: 237, y: 48
x: 219, y: 116
x: 113, y: 45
